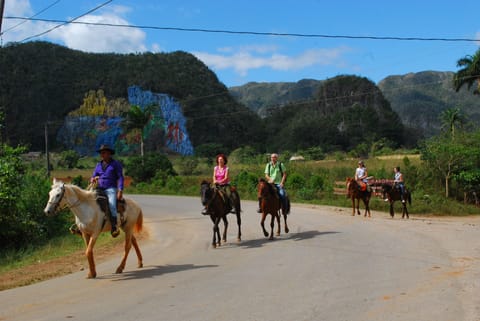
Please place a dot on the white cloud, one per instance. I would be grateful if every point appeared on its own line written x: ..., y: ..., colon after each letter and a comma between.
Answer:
x: 247, y: 58
x: 87, y: 38
x: 101, y: 38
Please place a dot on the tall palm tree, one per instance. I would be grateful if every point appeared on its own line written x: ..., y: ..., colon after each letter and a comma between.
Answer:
x: 469, y: 74
x: 450, y: 118
x: 136, y: 119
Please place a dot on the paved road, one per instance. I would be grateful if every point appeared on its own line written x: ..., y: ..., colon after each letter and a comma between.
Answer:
x: 331, y: 266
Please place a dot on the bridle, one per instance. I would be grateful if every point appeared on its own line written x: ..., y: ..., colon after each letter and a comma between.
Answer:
x: 57, y: 202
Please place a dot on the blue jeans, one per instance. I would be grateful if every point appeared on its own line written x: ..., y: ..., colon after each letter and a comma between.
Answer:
x: 401, y: 186
x: 112, y: 200
x: 281, y: 193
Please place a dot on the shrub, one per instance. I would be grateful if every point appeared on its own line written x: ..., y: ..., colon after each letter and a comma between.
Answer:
x: 146, y: 169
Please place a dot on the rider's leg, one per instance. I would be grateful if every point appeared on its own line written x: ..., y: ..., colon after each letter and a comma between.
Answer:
x: 283, y: 198
x: 402, y: 192
x: 112, y: 204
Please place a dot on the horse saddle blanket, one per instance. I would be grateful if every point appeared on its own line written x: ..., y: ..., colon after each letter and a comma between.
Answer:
x: 102, y: 201
x: 363, y: 186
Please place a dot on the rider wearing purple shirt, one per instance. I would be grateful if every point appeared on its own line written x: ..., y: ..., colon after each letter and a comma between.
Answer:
x: 109, y: 175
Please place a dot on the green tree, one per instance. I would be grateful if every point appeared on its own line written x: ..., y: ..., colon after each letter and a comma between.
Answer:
x: 136, y: 119
x: 447, y: 157
x: 469, y: 72
x: 450, y: 118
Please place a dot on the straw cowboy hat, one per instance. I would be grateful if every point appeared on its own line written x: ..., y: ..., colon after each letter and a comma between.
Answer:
x: 106, y: 147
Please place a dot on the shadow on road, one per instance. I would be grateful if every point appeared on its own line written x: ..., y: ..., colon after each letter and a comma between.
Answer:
x: 152, y: 271
x: 300, y: 236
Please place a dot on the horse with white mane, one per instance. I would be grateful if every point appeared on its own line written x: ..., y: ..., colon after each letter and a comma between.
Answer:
x: 91, y: 220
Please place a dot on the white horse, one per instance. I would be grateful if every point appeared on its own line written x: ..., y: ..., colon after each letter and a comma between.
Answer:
x: 91, y: 220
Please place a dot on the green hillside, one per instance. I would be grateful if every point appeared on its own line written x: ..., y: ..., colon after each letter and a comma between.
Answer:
x: 41, y: 82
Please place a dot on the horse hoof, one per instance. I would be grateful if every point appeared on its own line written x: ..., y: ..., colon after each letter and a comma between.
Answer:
x: 265, y: 234
x: 271, y: 238
x: 214, y: 246
x: 239, y: 240
x: 287, y: 230
x: 92, y: 275
x: 119, y: 270
x: 140, y: 265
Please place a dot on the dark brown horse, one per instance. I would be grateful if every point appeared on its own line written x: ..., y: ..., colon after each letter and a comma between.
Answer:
x: 356, y: 194
x: 392, y: 194
x: 218, y: 209
x: 270, y: 203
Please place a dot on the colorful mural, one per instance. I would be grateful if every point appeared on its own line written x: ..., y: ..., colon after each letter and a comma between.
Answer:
x: 85, y: 134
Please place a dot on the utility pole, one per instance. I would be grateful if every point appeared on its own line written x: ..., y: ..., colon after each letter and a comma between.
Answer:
x: 47, y: 155
x: 2, y: 6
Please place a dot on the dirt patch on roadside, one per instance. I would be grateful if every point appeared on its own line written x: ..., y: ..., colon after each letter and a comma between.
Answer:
x: 61, y: 266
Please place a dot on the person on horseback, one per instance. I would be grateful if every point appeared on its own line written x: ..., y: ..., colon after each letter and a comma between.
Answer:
x: 361, y: 175
x: 108, y: 175
x: 399, y: 182
x: 222, y: 181
x: 275, y: 173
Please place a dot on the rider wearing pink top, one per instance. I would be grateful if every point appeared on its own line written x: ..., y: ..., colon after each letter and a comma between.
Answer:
x: 221, y: 180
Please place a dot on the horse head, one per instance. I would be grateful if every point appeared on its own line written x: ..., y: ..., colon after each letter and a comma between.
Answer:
x: 55, y: 197
x: 263, y: 187
x: 206, y: 192
x: 386, y: 190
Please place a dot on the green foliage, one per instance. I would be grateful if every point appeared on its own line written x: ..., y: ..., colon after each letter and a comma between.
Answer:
x: 68, y: 159
x: 188, y: 165
x: 153, y: 164
x: 209, y: 150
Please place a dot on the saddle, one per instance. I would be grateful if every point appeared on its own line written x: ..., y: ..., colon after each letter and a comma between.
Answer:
x: 102, y: 201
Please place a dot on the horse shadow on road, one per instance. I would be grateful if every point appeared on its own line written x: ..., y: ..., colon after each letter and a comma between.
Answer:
x: 151, y: 271
x: 300, y: 236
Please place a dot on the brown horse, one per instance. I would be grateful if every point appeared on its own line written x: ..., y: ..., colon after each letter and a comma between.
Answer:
x: 355, y: 193
x: 270, y: 203
x: 91, y: 220
x: 392, y: 194
x: 218, y: 209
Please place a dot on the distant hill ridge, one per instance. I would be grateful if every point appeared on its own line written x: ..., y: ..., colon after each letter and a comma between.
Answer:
x: 418, y: 98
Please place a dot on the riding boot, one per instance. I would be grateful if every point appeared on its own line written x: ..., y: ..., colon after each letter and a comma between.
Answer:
x: 115, y: 231
x: 259, y: 209
x: 205, y: 211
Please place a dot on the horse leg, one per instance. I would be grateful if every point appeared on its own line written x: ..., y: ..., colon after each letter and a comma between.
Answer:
x: 285, y: 221
x: 353, y: 206
x: 225, y: 228
x: 239, y: 223
x: 367, y: 208
x: 262, y: 223
x: 278, y: 223
x: 216, y: 233
x: 89, y: 254
x: 391, y: 209
x: 358, y: 207
x: 137, y: 250
x: 272, y: 225
x: 128, y: 246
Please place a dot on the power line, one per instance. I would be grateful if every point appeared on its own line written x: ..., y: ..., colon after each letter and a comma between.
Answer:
x: 38, y: 13
x: 238, y: 32
x: 67, y: 22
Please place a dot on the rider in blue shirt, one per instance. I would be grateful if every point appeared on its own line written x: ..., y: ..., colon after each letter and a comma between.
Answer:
x: 108, y: 174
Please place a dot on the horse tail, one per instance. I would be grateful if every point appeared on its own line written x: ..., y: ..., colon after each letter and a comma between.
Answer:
x: 139, y: 224
x: 409, y: 198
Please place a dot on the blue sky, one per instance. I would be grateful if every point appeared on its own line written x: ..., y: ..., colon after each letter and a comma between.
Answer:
x: 241, y: 58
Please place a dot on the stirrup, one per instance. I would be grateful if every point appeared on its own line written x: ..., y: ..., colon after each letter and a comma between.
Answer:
x: 115, y: 232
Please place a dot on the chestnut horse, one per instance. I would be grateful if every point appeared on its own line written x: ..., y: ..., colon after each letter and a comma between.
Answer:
x: 356, y: 194
x: 213, y: 199
x: 91, y: 220
x: 392, y: 194
x: 270, y: 203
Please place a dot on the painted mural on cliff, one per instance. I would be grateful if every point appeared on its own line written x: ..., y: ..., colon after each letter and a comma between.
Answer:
x: 85, y: 134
